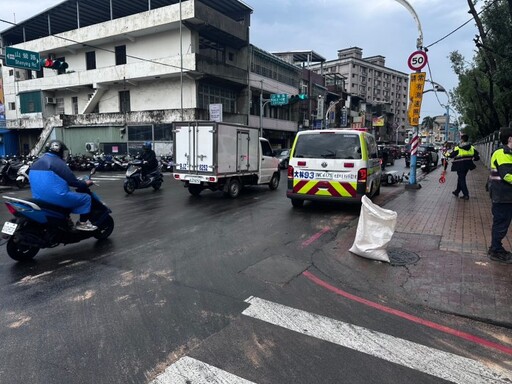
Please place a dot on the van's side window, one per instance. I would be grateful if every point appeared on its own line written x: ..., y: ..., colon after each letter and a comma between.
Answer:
x: 372, y: 147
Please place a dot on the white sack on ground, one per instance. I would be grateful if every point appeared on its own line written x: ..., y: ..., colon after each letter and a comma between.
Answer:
x: 374, y: 231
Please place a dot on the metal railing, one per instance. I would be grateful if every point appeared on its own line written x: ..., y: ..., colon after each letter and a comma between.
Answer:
x: 487, y: 146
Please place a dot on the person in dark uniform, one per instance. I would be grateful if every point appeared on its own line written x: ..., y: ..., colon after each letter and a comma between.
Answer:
x: 501, y: 194
x: 149, y: 161
x: 463, y: 156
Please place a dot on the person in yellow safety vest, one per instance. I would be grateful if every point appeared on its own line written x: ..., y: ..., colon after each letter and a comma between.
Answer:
x: 463, y: 156
x: 501, y: 194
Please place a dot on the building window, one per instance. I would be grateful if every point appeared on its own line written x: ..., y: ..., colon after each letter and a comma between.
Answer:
x: 90, y: 60
x: 74, y: 105
x: 140, y: 133
x: 59, y: 105
x: 12, y: 106
x: 212, y: 94
x: 124, y: 101
x: 121, y: 54
x: 11, y: 72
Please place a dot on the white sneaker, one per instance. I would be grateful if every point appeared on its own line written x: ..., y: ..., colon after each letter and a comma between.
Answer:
x: 87, y: 226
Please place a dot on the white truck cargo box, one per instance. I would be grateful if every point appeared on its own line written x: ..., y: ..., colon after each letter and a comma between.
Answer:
x: 211, y: 155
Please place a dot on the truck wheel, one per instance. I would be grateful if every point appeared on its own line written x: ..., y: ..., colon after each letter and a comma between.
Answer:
x: 274, y: 181
x: 234, y: 188
x: 297, y: 203
x: 194, y: 189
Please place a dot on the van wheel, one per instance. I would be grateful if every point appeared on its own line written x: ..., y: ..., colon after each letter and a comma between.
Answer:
x: 274, y: 181
x: 297, y: 203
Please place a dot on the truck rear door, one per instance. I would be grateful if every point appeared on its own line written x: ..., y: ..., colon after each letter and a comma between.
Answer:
x: 194, y: 148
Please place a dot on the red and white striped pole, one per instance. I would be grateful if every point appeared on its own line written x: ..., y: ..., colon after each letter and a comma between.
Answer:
x: 414, y: 150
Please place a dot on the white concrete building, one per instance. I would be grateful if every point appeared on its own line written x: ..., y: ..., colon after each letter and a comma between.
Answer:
x: 134, y: 68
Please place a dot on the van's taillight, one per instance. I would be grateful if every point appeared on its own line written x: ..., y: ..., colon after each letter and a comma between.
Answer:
x: 176, y: 176
x: 348, y: 165
x: 290, y: 172
x: 301, y: 163
x: 11, y: 209
x: 361, y: 175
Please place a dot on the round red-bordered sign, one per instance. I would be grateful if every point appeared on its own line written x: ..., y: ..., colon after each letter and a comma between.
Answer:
x: 417, y: 60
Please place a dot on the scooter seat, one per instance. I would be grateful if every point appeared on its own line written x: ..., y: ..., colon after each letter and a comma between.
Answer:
x: 51, y: 207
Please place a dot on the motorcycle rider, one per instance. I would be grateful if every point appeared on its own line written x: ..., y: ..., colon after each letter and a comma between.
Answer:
x: 149, y: 161
x: 51, y: 179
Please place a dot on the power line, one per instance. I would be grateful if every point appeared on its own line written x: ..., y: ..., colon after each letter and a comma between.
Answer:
x: 464, y: 24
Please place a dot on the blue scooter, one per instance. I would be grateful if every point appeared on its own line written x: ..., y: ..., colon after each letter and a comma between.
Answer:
x: 37, y: 225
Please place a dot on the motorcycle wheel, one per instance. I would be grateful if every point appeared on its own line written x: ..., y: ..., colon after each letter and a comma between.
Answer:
x: 129, y: 186
x: 21, y: 183
x: 20, y: 252
x: 105, y: 229
x: 156, y: 185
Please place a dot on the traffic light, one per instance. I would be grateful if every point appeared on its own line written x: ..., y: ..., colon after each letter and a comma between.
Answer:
x: 295, y: 98
x: 54, y: 64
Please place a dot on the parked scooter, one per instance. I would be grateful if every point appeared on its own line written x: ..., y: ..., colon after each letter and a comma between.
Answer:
x: 39, y: 225
x: 135, y: 181
x: 9, y: 171
x: 22, y: 175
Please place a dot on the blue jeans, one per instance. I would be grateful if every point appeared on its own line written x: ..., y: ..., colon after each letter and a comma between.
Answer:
x: 501, y: 218
x: 461, y: 183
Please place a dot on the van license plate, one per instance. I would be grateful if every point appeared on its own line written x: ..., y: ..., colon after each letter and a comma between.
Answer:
x: 323, y: 175
x: 9, y: 228
x: 194, y: 180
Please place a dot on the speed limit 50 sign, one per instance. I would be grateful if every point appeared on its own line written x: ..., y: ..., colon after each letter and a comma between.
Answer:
x: 417, y: 60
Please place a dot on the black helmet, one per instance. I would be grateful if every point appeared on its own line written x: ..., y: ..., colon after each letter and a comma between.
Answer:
x: 57, y: 147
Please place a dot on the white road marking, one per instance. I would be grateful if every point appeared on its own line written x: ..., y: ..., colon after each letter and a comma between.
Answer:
x: 191, y: 371
x: 444, y: 365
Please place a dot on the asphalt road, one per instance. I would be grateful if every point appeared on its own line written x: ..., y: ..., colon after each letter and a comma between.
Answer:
x: 172, y: 288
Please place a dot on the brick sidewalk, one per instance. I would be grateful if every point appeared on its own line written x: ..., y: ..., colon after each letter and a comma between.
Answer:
x: 433, y: 210
x: 451, y: 236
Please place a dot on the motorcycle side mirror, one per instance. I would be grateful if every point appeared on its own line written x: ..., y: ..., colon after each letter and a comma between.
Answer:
x: 93, y: 171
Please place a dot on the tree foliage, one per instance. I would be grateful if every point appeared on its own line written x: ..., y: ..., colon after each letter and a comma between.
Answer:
x: 484, y: 93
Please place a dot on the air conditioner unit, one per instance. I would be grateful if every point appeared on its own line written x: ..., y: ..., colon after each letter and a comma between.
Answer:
x: 51, y: 100
x: 91, y: 147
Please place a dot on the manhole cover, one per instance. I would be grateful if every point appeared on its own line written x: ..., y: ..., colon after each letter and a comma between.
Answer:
x: 398, y: 257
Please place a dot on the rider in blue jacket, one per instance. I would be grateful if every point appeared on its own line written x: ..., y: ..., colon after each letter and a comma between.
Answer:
x: 51, y: 179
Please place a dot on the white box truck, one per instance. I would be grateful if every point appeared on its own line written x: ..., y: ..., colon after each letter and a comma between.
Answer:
x: 222, y: 157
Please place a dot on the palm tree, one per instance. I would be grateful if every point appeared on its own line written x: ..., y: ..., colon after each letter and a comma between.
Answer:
x: 427, y: 124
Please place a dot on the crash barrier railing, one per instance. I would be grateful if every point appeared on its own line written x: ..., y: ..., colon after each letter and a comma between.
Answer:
x: 487, y: 146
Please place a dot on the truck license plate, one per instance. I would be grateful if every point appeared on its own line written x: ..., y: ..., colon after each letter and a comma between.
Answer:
x: 9, y: 228
x: 194, y: 180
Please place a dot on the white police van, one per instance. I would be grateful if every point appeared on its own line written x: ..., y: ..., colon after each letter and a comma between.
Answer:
x: 333, y: 165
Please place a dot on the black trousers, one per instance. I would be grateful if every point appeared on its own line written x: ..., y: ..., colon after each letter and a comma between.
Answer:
x: 501, y: 218
x: 461, y: 183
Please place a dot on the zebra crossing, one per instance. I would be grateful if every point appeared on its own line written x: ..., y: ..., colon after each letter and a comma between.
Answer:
x: 434, y: 362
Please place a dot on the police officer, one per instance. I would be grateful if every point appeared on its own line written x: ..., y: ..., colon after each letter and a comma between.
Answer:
x: 501, y: 195
x: 463, y: 156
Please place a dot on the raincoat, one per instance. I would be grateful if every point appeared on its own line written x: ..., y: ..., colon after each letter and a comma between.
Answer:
x: 50, y: 179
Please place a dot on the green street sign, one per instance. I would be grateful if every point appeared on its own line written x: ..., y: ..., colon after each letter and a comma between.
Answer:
x: 278, y: 99
x: 19, y: 58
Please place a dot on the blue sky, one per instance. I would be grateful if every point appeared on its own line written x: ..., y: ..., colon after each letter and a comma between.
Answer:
x: 379, y: 27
